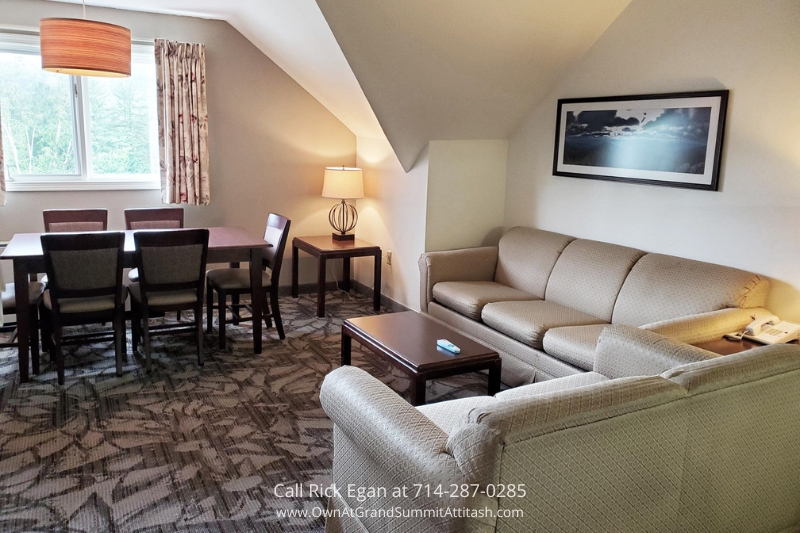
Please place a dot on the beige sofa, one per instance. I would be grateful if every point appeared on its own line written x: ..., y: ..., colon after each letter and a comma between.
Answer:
x: 541, y: 299
x: 708, y: 446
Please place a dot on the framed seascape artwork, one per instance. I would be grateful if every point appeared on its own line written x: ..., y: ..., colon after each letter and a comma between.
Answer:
x: 658, y: 139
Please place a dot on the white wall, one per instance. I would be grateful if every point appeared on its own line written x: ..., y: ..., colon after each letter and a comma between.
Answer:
x: 269, y: 139
x: 466, y: 193
x: 392, y: 216
x: 750, y: 48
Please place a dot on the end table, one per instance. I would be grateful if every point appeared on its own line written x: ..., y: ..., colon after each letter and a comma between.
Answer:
x: 324, y: 247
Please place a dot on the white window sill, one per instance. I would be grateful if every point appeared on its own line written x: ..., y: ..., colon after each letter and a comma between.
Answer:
x: 104, y: 185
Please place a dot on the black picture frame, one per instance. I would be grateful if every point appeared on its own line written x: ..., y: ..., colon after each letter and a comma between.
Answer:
x: 669, y: 139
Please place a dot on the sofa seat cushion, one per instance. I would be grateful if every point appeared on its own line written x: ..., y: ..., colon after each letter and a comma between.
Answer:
x: 552, y: 385
x: 469, y: 297
x: 528, y: 322
x: 450, y: 414
x: 575, y: 345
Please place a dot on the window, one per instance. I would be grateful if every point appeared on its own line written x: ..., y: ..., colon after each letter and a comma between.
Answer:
x: 72, y: 132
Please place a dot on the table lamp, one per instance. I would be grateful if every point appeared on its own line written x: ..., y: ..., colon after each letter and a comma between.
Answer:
x: 343, y: 183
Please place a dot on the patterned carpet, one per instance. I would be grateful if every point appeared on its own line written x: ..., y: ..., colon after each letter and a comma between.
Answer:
x: 184, y: 448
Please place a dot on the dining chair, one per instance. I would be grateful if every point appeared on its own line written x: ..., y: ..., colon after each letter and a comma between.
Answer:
x: 152, y: 218
x: 8, y: 304
x: 235, y: 282
x: 75, y: 220
x: 85, y: 287
x: 171, y: 267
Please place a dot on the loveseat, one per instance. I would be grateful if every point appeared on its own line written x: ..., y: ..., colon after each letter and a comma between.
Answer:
x: 706, y: 446
x: 541, y: 299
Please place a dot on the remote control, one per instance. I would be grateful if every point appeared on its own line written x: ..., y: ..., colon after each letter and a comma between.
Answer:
x: 447, y: 345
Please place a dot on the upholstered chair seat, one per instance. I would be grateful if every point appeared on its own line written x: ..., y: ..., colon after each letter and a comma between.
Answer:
x: 9, y: 298
x: 236, y: 278
x: 82, y: 305
x: 164, y: 298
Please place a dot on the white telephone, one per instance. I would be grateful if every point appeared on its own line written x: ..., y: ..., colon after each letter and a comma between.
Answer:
x: 771, y: 330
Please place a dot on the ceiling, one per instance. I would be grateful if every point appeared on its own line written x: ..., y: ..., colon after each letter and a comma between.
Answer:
x: 427, y: 69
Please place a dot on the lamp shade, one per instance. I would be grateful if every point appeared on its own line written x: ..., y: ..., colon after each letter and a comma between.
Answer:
x: 343, y: 183
x: 85, y: 47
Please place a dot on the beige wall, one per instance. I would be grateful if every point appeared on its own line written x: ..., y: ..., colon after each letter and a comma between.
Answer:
x: 393, y: 216
x: 466, y: 193
x: 750, y: 48
x: 269, y: 139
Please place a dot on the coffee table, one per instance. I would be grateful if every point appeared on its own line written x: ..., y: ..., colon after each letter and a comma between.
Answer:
x: 408, y: 341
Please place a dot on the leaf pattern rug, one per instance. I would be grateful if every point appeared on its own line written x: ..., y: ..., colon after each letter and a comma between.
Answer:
x: 183, y: 448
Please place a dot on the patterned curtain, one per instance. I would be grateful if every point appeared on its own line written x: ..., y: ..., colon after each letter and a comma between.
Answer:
x: 182, y: 122
x: 2, y: 186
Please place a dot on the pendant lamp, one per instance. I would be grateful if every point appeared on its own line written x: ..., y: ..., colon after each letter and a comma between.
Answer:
x: 83, y: 47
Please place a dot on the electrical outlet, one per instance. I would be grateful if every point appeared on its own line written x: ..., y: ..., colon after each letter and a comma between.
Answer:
x: 389, y: 257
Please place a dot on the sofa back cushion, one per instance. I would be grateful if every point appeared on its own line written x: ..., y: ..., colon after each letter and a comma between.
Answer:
x: 615, y: 446
x: 526, y: 258
x: 742, y: 460
x: 660, y: 287
x: 588, y: 276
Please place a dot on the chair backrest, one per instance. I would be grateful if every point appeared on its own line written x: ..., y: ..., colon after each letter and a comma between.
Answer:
x: 84, y: 265
x: 75, y: 220
x: 154, y: 218
x: 172, y: 260
x: 277, y: 234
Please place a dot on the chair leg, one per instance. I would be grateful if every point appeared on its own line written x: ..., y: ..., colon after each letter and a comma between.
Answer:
x: 146, y: 328
x: 45, y: 322
x: 209, y: 308
x: 120, y: 346
x: 276, y: 313
x: 222, y: 298
x: 34, y: 312
x: 235, y: 305
x: 178, y: 316
x: 57, y: 353
x: 199, y: 327
x: 136, y: 326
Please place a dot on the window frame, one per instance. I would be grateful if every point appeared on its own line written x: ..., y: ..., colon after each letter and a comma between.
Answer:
x: 27, y: 42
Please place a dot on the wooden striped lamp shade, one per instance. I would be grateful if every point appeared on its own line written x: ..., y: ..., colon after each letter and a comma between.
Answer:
x: 85, y: 47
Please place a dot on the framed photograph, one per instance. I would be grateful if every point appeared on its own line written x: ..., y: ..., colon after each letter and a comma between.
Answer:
x: 672, y: 139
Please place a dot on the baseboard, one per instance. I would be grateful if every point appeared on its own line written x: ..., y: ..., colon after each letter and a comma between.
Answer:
x: 397, y: 307
x: 305, y: 288
x: 311, y: 288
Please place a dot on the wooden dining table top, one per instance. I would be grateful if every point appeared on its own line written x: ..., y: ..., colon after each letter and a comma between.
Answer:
x: 29, y: 245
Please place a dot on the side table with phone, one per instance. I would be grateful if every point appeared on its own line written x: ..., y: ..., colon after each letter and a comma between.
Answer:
x: 765, y: 330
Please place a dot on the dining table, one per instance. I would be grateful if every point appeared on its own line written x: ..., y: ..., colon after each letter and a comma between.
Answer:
x: 225, y: 245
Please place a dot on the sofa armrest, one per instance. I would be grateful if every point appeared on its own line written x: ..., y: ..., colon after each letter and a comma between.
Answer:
x: 694, y: 329
x: 625, y: 351
x: 469, y: 264
x: 383, y: 443
x: 383, y: 425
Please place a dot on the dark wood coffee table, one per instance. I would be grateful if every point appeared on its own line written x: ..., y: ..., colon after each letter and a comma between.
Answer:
x: 408, y: 341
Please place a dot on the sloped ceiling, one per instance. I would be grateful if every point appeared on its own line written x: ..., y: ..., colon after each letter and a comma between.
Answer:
x: 294, y: 34
x: 427, y: 69
x: 461, y: 69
